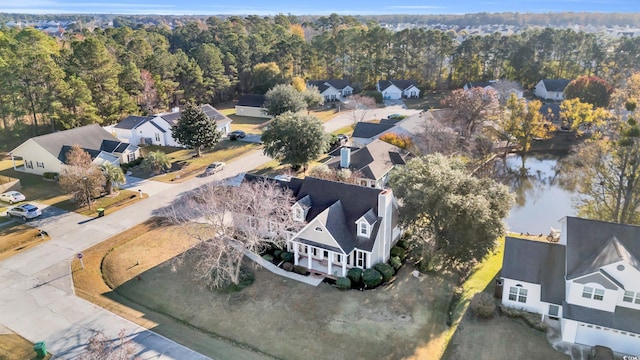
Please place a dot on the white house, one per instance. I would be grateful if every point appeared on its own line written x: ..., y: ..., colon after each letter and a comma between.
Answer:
x: 251, y: 105
x: 372, y: 162
x: 156, y: 130
x: 397, y: 89
x: 588, y: 280
x: 333, y: 89
x: 551, y: 89
x: 495, y: 85
x: 48, y: 153
x: 346, y: 226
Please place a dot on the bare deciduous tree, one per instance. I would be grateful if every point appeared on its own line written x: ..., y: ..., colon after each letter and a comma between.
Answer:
x: 362, y: 105
x: 504, y: 88
x: 227, y: 221
x: 469, y: 109
x: 100, y: 347
x: 80, y: 177
x: 322, y: 171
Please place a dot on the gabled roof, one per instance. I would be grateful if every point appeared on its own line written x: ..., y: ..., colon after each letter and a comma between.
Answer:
x: 536, y: 262
x: 400, y: 84
x: 157, y: 126
x: 481, y: 84
x: 623, y: 318
x: 593, y: 243
x: 610, y: 252
x: 374, y: 160
x: 556, y: 85
x: 333, y: 218
x: 251, y: 100
x: 370, y: 130
x: 88, y: 137
x: 211, y: 112
x: 323, y: 85
x: 132, y: 122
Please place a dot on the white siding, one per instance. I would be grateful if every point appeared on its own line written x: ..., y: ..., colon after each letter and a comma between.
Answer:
x: 588, y: 334
x: 532, y: 304
x: 540, y: 90
x: 574, y: 296
x: 251, y: 112
x: 36, y: 159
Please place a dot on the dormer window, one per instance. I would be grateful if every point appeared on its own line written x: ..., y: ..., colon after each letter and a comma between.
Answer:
x: 363, y: 229
x: 298, y: 214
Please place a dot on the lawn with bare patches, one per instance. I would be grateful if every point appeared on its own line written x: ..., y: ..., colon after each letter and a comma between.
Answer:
x: 15, y: 347
x: 18, y: 237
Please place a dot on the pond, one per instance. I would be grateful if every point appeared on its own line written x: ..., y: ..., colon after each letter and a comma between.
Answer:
x: 540, y: 200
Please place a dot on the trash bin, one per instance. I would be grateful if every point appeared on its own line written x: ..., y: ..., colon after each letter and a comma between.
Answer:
x: 100, y: 212
x: 40, y: 349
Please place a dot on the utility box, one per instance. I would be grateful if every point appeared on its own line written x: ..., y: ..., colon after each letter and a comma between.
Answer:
x: 40, y: 349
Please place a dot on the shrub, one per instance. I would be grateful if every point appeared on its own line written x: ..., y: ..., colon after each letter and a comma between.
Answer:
x: 277, y: 253
x: 287, y: 266
x: 286, y: 256
x: 50, y: 175
x: 300, y: 270
x: 343, y: 283
x: 398, y: 251
x: 395, y: 262
x: 403, y: 244
x: 371, y: 278
x: 401, y: 141
x: 355, y: 274
x: 386, y: 271
x: 483, y: 305
x: 374, y: 94
x: 268, y: 257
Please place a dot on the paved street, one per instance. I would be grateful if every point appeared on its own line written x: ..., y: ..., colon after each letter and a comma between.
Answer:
x: 36, y: 291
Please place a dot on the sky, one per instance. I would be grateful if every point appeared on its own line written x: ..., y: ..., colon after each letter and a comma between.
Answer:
x: 312, y: 7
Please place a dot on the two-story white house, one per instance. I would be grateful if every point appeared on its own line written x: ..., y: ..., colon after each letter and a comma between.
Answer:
x: 589, y: 281
x: 551, y: 89
x: 398, y: 89
x: 156, y: 130
x: 333, y: 89
x: 345, y: 225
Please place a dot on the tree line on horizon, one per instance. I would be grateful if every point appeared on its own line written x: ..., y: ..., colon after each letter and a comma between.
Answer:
x: 86, y: 77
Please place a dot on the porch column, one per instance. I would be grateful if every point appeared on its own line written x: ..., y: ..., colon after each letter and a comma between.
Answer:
x: 329, y: 267
x: 309, y: 254
x: 295, y: 253
x: 13, y: 161
x: 344, y: 265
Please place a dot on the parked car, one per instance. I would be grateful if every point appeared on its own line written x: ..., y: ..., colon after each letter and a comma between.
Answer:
x: 599, y: 352
x: 214, y: 168
x: 343, y: 138
x: 236, y: 134
x: 24, y: 211
x: 283, y: 177
x: 12, y: 197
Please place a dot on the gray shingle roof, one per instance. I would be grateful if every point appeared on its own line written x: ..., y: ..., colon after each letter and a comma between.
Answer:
x: 339, y: 84
x: 400, y: 84
x: 251, y: 100
x: 211, y: 112
x: 538, y: 263
x: 370, y: 130
x: 622, y: 318
x: 610, y: 252
x: 374, y: 160
x: 557, y: 85
x: 132, y: 122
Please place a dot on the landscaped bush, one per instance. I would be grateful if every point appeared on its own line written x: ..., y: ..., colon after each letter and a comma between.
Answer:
x: 50, y: 175
x: 371, y: 278
x: 287, y: 266
x: 343, y: 283
x: 245, y: 278
x: 268, y: 257
x: 386, y: 271
x: 131, y: 164
x: 374, y: 94
x: 277, y: 253
x: 300, y: 270
x: 483, y: 305
x: 286, y: 256
x: 355, y: 274
x: 398, y: 251
x: 395, y: 262
x: 403, y: 244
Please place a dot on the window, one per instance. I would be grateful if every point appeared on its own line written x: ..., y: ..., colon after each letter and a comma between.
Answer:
x: 298, y: 214
x: 337, y: 258
x: 28, y: 164
x: 518, y: 293
x: 253, y: 222
x: 591, y: 293
x: 629, y: 297
x: 39, y: 164
x: 363, y: 229
x: 318, y: 228
x: 131, y: 157
x: 363, y: 182
x: 554, y: 310
x: 325, y: 254
x: 360, y: 259
x: 157, y: 137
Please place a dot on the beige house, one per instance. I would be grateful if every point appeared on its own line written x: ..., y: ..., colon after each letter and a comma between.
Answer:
x: 47, y: 153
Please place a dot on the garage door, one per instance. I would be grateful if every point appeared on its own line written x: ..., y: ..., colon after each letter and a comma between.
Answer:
x: 616, y: 340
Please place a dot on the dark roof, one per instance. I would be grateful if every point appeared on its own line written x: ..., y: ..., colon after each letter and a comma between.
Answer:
x: 115, y: 146
x: 538, y: 263
x: 252, y: 100
x: 353, y: 201
x: 157, y: 127
x: 336, y: 83
x: 373, y: 160
x: 370, y: 130
x: 390, y: 121
x: 623, y: 318
x: 400, y: 84
x: 557, y: 85
x: 320, y: 84
x: 211, y: 112
x: 88, y: 137
x: 132, y: 122
x: 62, y: 155
x: 551, y: 112
x: 592, y: 243
x: 481, y: 84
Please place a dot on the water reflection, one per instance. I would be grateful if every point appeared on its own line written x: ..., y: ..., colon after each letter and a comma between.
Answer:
x: 541, y: 201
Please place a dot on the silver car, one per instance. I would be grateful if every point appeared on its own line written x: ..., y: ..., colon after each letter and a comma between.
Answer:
x: 24, y: 211
x: 214, y: 168
x: 12, y: 197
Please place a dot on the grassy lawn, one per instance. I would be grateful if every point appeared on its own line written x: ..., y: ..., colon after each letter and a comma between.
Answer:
x: 185, y: 166
x: 325, y: 114
x: 347, y: 130
x: 34, y: 187
x: 430, y: 100
x: 18, y: 237
x: 15, y: 347
x: 273, y: 316
x: 248, y: 124
x: 113, y: 203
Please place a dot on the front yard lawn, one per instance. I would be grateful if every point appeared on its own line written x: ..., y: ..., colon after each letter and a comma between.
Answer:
x: 18, y: 237
x: 113, y: 203
x: 430, y: 100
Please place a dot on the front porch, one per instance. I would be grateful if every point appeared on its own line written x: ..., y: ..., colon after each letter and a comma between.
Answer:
x: 332, y: 263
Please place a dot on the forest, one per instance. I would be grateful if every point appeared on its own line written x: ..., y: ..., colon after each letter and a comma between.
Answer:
x: 100, y: 76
